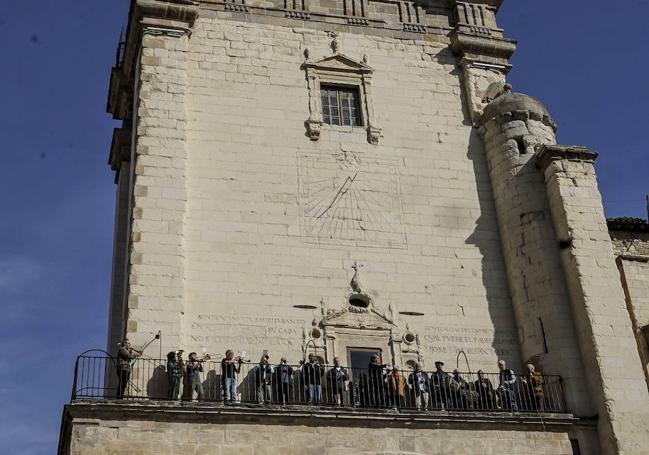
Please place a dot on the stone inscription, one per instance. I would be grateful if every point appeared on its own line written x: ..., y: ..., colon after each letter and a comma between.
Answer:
x: 247, y: 332
x: 447, y: 342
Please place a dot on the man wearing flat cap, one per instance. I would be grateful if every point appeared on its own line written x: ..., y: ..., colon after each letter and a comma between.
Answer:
x: 440, y: 382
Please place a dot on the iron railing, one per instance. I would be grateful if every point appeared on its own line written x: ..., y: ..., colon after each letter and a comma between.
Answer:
x: 99, y: 377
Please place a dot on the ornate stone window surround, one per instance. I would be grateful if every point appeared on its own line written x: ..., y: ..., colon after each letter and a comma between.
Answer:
x: 340, y: 70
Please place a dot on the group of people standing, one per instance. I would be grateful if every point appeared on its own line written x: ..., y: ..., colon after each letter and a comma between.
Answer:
x: 272, y: 383
x: 442, y: 390
x: 377, y: 385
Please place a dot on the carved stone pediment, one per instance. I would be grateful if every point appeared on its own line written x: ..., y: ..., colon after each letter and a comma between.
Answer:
x: 339, y: 63
x: 358, y: 317
x: 339, y: 69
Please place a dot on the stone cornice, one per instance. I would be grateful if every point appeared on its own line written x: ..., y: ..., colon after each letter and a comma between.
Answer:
x: 119, y: 148
x: 475, y: 35
x: 546, y: 154
x: 175, y: 17
x: 496, y: 4
x: 515, y: 106
x: 305, y: 415
x: 485, y: 49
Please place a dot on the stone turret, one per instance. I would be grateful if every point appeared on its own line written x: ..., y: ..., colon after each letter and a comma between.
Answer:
x: 512, y: 125
x: 560, y: 263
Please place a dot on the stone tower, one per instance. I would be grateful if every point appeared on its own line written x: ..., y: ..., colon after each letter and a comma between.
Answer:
x: 348, y: 178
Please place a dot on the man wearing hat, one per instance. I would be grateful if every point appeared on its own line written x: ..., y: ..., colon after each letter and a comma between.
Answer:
x: 440, y: 381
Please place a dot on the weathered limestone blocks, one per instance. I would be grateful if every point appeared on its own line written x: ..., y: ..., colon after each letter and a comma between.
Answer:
x: 511, y: 125
x: 630, y: 237
x: 156, y: 279
x: 232, y: 431
x: 483, y: 53
x: 616, y: 378
x: 431, y: 242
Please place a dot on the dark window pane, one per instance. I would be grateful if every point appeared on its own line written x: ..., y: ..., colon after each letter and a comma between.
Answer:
x: 339, y: 105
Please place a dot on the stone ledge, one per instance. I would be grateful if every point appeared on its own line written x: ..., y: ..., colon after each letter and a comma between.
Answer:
x: 314, y: 416
x: 545, y: 154
x: 634, y: 257
x: 472, y: 45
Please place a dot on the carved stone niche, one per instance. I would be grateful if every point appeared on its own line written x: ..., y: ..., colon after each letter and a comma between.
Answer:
x: 340, y: 70
x: 359, y: 324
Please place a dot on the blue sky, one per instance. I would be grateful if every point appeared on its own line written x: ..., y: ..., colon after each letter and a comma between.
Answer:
x: 583, y: 58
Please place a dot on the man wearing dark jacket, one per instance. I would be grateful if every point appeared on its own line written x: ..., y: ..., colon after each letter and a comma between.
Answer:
x: 440, y: 381
x: 284, y: 381
x: 263, y: 380
x: 506, y: 389
x: 337, y: 378
x: 376, y: 379
x: 420, y: 385
x: 312, y: 372
x: 174, y: 376
x: 485, y: 391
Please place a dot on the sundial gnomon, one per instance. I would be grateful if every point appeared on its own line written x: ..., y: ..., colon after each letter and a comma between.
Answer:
x: 351, y: 198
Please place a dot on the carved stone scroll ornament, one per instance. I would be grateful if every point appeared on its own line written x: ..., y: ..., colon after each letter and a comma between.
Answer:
x: 314, y: 122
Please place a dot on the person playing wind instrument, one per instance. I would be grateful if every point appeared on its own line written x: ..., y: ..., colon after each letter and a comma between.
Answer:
x: 230, y: 367
x: 125, y: 356
x: 194, y: 370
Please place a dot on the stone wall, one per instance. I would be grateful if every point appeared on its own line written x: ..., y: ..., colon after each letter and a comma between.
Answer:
x: 147, y: 438
x: 275, y: 434
x: 428, y: 240
x: 632, y: 250
x: 156, y: 281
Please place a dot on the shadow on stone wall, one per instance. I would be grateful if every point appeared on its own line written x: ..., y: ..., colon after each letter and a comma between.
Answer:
x: 156, y: 386
x: 486, y: 237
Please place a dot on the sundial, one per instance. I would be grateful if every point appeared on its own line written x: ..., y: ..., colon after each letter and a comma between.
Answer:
x: 349, y: 198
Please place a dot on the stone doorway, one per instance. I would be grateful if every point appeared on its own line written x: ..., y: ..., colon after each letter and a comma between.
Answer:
x: 359, y: 358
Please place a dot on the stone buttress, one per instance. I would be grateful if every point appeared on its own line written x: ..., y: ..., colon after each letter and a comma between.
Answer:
x: 609, y: 350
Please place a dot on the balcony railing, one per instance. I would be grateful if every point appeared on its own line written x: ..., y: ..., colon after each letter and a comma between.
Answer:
x: 100, y: 378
